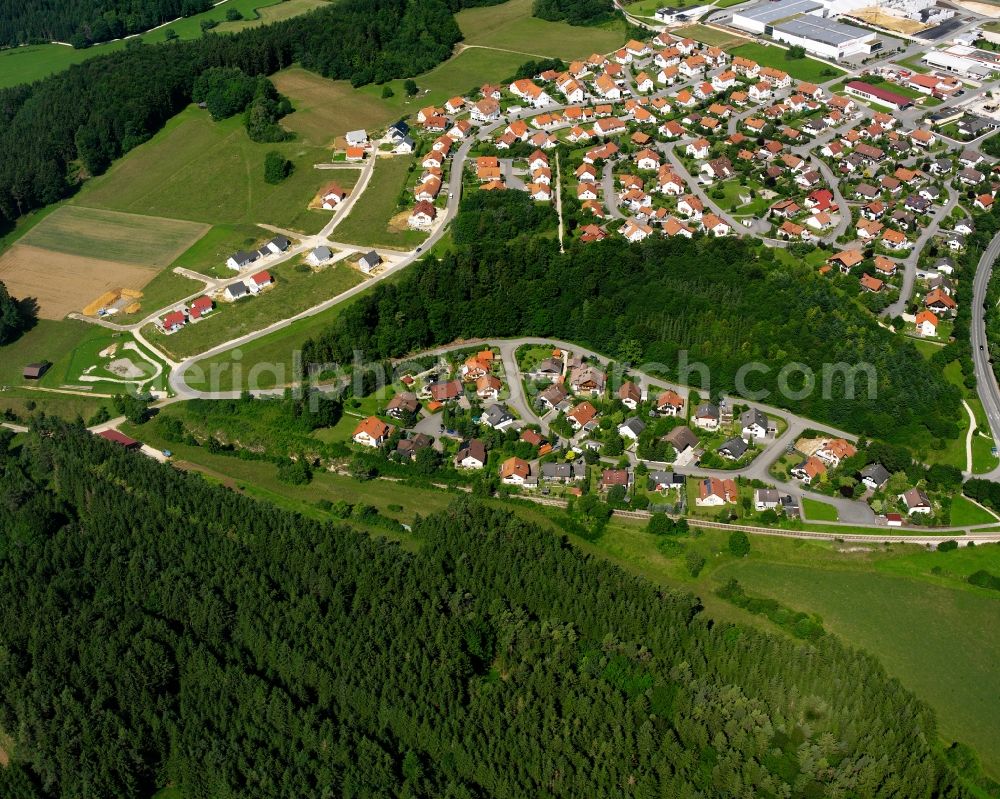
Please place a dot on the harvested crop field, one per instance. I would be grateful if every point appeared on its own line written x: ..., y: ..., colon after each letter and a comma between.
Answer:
x: 62, y: 283
x: 129, y: 238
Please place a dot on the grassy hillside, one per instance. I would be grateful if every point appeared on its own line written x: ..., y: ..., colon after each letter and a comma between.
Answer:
x: 211, y: 172
x: 510, y: 26
x: 27, y: 64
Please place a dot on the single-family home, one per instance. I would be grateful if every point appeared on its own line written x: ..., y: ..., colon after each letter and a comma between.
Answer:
x: 583, y: 416
x: 733, y: 448
x: 514, y: 471
x: 766, y: 499
x: 926, y: 323
x: 402, y: 405
x: 630, y: 395
x: 471, y: 455
x: 256, y: 283
x: 874, y: 476
x: 713, y: 492
x: 810, y: 470
x: 371, y: 432
x: 754, y: 423
x: 916, y: 501
x: 497, y: 417
x: 706, y: 416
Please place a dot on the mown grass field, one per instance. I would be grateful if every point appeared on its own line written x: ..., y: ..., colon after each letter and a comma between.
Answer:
x: 48, y: 340
x: 510, y: 26
x: 27, y: 64
x: 70, y: 346
x: 280, y: 349
x: 375, y: 220
x: 940, y: 641
x: 265, y: 12
x: 211, y: 172
x: 208, y: 255
x: 326, y: 109
x: 166, y: 288
x: 710, y: 36
x: 806, y: 69
x: 142, y: 240
x: 965, y: 512
x: 818, y: 511
x: 293, y: 291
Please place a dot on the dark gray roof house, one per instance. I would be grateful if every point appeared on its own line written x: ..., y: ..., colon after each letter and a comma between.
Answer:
x: 321, y: 253
x: 237, y: 290
x: 634, y: 425
x: 942, y: 166
x: 659, y: 479
x: 790, y: 505
x: 753, y: 418
x: 874, y: 475
x: 497, y: 416
x: 399, y: 130
x: 735, y: 448
x: 707, y: 410
x: 279, y: 242
x: 565, y: 472
x: 369, y: 260
x: 242, y: 258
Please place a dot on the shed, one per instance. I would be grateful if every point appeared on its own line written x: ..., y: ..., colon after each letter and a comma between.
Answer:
x: 120, y: 438
x: 34, y: 371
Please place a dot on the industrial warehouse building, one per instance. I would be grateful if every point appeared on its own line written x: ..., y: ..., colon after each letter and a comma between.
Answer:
x: 969, y: 62
x: 867, y: 91
x: 802, y: 22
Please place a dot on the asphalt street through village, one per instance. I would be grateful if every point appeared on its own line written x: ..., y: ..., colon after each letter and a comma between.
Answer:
x: 850, y: 512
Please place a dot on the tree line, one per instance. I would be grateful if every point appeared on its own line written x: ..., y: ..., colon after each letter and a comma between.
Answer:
x: 96, y: 111
x: 16, y: 316
x: 158, y: 630
x: 721, y: 302
x: 86, y: 22
x: 575, y: 12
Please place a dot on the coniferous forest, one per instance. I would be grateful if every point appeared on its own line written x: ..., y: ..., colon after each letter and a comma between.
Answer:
x: 85, y: 22
x: 159, y: 631
x: 723, y: 302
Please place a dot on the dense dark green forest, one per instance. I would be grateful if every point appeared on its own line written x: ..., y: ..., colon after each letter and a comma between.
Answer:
x: 575, y: 12
x: 85, y: 22
x: 94, y: 112
x: 157, y: 630
x: 723, y: 301
x: 15, y: 316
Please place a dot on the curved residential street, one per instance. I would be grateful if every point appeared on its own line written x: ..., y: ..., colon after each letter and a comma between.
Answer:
x: 850, y: 512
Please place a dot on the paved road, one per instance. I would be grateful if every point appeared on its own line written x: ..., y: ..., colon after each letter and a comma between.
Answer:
x: 909, y: 264
x: 986, y: 382
x: 849, y: 511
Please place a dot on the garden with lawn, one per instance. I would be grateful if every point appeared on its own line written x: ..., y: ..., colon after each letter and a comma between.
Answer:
x: 807, y: 69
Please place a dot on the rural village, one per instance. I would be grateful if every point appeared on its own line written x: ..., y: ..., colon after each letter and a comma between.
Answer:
x: 873, y: 181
